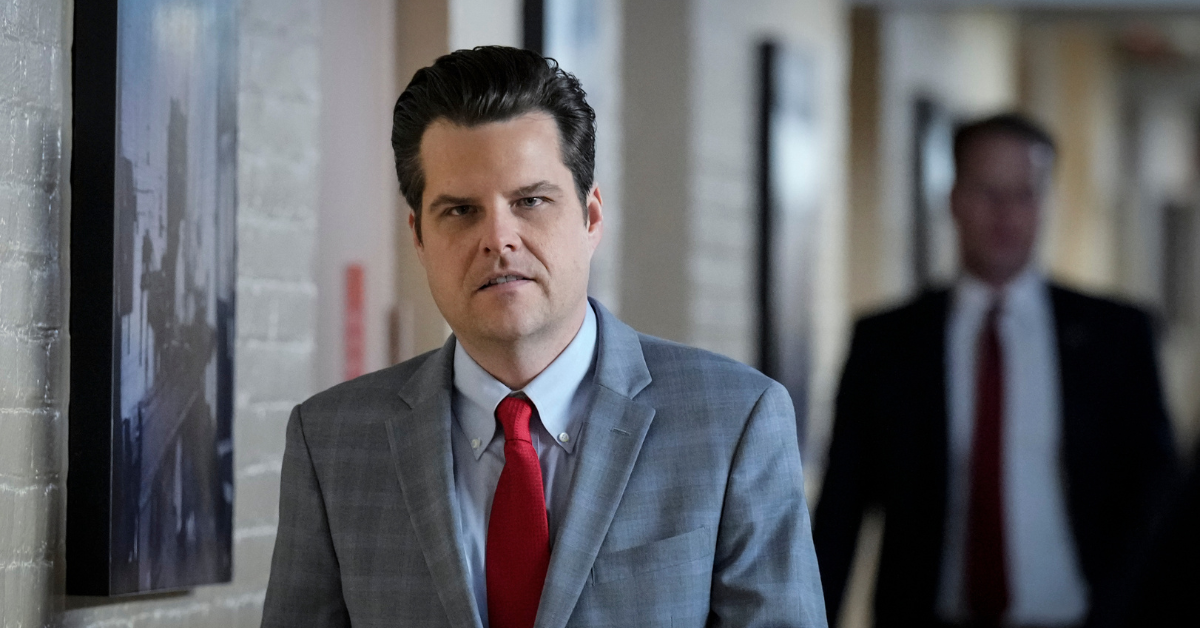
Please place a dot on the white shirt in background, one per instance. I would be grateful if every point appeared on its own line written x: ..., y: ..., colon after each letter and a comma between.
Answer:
x: 1045, y: 583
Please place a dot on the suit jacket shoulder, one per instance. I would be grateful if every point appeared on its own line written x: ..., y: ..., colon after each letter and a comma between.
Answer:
x: 359, y: 404
x: 684, y: 371
x: 914, y: 312
x: 1072, y: 305
x: 714, y: 494
x: 387, y: 381
x: 899, y: 347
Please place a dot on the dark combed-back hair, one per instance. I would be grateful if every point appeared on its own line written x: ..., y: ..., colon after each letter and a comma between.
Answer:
x: 492, y: 84
x: 1011, y: 124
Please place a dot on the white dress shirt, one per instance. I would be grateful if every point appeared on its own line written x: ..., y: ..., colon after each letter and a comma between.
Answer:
x: 560, y: 406
x: 1045, y: 583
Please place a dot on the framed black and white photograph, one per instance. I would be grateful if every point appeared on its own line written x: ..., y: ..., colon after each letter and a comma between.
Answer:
x: 790, y: 190
x: 935, y: 241
x: 150, y: 484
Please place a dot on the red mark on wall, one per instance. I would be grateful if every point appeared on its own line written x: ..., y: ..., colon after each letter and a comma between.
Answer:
x: 353, y: 341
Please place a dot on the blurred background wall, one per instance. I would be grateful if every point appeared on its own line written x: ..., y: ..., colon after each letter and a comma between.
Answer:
x: 329, y: 286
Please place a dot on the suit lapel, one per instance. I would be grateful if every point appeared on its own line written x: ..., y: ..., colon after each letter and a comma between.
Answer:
x: 611, y: 440
x: 928, y: 449
x: 420, y: 443
x: 933, y: 361
x: 1075, y: 368
x: 1072, y: 339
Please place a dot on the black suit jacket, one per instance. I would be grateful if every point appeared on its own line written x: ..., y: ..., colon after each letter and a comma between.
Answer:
x: 889, y: 447
x: 1165, y: 592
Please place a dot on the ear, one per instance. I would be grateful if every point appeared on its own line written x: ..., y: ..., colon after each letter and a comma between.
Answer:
x: 417, y: 244
x: 595, y: 217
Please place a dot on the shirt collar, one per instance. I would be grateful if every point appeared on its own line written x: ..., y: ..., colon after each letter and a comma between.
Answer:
x: 1024, y: 293
x: 551, y: 391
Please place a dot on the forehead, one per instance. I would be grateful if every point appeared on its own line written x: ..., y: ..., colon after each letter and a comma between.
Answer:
x: 493, y: 152
x: 1002, y: 155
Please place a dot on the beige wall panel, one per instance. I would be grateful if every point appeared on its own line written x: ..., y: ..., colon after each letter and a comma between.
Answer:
x: 863, y: 237
x: 422, y: 35
x: 484, y: 22
x: 655, y: 291
x: 1080, y: 239
x: 359, y: 202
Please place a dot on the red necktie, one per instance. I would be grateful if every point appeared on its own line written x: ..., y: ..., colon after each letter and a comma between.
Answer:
x: 518, y: 537
x: 987, y: 573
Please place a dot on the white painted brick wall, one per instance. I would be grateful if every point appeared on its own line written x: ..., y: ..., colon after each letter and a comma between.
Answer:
x: 278, y: 160
x: 34, y: 116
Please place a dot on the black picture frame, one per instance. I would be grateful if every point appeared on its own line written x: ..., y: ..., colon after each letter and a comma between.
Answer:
x: 533, y: 25
x: 789, y: 193
x: 153, y: 274
x: 934, y: 248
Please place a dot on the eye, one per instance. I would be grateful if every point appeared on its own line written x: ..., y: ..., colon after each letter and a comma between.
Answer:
x: 458, y: 210
x: 530, y: 202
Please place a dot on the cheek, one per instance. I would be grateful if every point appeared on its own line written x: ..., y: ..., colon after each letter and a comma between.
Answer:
x: 1032, y: 220
x: 580, y: 255
x: 977, y: 228
x: 565, y: 248
x: 444, y: 267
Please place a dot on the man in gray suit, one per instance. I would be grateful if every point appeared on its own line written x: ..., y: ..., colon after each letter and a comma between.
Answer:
x: 548, y: 466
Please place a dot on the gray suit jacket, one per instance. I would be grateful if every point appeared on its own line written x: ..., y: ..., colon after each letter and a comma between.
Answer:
x: 686, y: 508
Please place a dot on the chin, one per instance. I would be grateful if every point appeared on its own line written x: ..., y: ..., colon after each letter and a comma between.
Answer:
x: 506, y: 327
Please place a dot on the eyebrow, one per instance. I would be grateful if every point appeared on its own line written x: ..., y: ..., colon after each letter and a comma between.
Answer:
x: 444, y: 200
x: 541, y: 187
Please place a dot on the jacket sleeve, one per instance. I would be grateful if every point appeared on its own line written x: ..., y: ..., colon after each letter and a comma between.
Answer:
x: 1157, y: 442
x: 305, y: 585
x: 846, y: 490
x: 765, y: 570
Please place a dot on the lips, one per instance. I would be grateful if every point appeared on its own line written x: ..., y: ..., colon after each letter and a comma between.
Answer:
x: 498, y: 280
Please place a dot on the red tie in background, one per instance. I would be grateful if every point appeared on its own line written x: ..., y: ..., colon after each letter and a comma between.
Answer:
x: 518, y: 537
x: 987, y: 573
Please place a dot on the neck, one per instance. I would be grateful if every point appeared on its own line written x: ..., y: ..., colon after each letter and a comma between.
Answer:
x: 996, y: 283
x: 516, y: 363
x: 997, y: 280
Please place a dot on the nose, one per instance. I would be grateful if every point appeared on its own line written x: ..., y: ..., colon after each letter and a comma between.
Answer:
x: 501, y: 230
x: 1015, y: 206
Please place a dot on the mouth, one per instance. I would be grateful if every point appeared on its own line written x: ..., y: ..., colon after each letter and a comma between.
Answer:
x: 500, y: 280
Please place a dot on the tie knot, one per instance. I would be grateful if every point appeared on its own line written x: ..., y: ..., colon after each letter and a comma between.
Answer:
x: 995, y: 310
x: 514, y: 412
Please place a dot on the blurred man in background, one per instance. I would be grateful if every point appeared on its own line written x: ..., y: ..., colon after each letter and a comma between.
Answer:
x: 1012, y: 431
